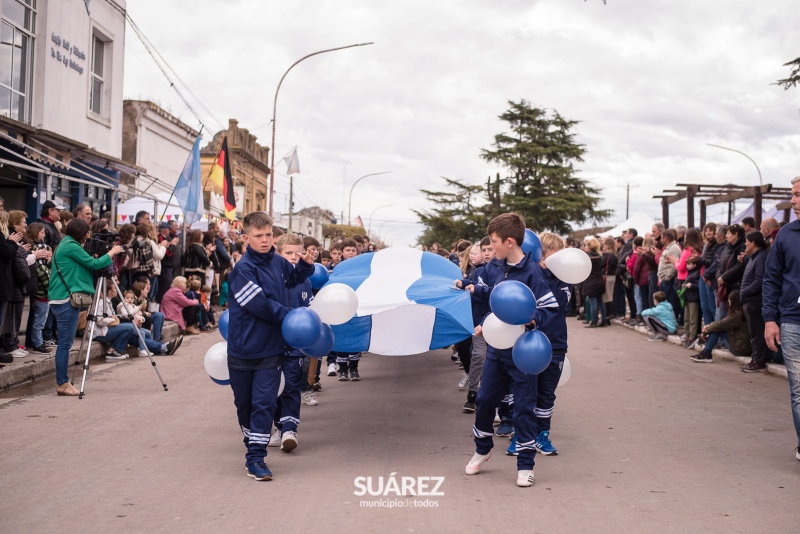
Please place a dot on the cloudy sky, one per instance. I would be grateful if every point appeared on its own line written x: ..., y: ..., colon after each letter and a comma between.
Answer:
x: 651, y: 82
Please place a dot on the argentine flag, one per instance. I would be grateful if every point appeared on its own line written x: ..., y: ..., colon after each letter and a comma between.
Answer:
x: 406, y: 303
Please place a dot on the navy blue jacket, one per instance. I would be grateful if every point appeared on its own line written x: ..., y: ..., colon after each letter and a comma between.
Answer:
x: 529, y: 273
x: 556, y: 327
x: 750, y: 288
x: 480, y: 303
x: 258, y: 300
x: 300, y: 296
x: 781, y: 289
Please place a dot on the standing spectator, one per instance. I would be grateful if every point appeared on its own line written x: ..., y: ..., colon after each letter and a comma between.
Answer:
x: 731, y: 266
x: 20, y: 276
x: 658, y: 229
x: 691, y: 297
x: 641, y: 275
x: 170, y: 262
x: 667, y: 273
x: 769, y: 229
x: 609, y: 270
x: 680, y: 231
x: 39, y: 308
x: 196, y: 257
x: 8, y: 250
x: 651, y: 255
x: 594, y: 286
x: 711, y: 273
x: 209, y: 242
x: 142, y: 217
x: 51, y: 212
x: 749, y: 225
x: 692, y: 247
x: 159, y: 251
x: 750, y: 293
x: 83, y: 211
x: 781, y: 297
x: 708, y: 299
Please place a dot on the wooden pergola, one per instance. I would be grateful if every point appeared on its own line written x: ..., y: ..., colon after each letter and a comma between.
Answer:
x: 708, y: 195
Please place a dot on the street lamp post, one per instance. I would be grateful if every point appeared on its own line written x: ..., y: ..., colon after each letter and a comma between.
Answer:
x: 350, y: 200
x: 275, y: 112
x: 369, y: 225
x: 760, y: 181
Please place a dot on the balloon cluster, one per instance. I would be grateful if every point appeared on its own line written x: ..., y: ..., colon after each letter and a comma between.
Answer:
x: 307, y: 329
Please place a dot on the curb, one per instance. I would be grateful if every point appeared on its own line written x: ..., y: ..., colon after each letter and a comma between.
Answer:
x: 37, y: 366
x: 722, y: 354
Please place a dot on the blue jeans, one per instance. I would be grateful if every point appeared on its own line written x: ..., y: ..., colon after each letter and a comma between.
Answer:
x: 153, y: 345
x: 49, y: 323
x: 597, y: 305
x: 708, y: 303
x: 118, y: 336
x: 653, y: 279
x: 668, y: 287
x: 39, y: 312
x: 637, y: 298
x: 151, y: 297
x: 714, y: 338
x: 790, y: 343
x: 67, y: 324
x: 158, y: 324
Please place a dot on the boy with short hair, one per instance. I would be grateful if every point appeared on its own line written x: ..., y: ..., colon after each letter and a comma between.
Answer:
x: 660, y: 318
x: 349, y: 249
x: 287, y: 412
x: 325, y: 259
x: 310, y: 244
x: 506, y: 233
x: 348, y: 362
x: 258, y: 303
x: 336, y: 255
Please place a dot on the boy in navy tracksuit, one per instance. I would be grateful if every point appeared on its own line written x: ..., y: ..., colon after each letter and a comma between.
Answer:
x: 506, y: 232
x: 347, y: 361
x: 287, y: 412
x: 258, y: 302
x: 556, y: 332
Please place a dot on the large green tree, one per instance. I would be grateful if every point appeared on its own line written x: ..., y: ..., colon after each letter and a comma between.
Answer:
x: 457, y: 214
x: 541, y: 183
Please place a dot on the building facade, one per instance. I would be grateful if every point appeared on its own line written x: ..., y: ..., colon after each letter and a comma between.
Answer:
x: 307, y: 221
x: 61, y: 75
x: 249, y: 163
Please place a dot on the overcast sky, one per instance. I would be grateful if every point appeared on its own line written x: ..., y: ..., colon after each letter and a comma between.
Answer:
x: 651, y: 82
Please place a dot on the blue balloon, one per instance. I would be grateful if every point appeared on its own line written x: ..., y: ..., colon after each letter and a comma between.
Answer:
x: 319, y: 277
x: 323, y: 345
x: 532, y: 352
x: 533, y: 245
x: 220, y: 382
x: 513, y: 302
x: 223, y: 325
x: 301, y: 328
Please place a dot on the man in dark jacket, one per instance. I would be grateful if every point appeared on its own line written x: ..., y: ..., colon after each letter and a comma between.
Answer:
x: 51, y: 212
x: 750, y: 294
x: 781, y: 297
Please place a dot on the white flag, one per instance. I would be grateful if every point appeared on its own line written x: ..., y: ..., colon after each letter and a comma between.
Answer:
x: 292, y: 162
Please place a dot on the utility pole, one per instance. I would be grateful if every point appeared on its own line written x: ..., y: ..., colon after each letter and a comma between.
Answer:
x: 627, y: 187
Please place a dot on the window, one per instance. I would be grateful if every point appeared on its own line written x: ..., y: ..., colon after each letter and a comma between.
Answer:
x: 98, y: 68
x: 17, y: 28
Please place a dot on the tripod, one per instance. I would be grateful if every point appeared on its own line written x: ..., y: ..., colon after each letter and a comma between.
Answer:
x: 99, y: 309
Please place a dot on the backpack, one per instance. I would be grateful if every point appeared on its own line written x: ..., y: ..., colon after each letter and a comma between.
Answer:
x: 143, y: 258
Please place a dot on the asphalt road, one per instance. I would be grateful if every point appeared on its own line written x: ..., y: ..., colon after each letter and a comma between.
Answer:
x: 648, y: 440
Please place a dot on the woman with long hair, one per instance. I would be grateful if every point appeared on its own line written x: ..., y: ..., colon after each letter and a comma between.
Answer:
x: 732, y: 331
x: 39, y: 308
x: 595, y: 285
x: 197, y: 261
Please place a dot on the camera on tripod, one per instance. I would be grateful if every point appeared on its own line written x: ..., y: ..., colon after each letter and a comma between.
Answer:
x: 102, y: 242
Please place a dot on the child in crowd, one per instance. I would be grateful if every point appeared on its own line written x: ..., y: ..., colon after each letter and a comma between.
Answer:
x: 506, y: 233
x: 556, y: 332
x: 154, y: 320
x: 691, y: 298
x: 287, y: 411
x: 128, y: 306
x: 311, y: 245
x: 207, y: 321
x: 258, y: 303
x: 336, y: 255
x: 347, y: 362
x: 660, y: 318
x: 325, y: 259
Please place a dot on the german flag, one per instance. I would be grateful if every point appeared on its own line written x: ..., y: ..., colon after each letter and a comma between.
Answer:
x: 221, y: 176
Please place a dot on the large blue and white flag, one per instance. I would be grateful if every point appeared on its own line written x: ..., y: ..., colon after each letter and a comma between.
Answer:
x: 406, y: 303
x: 189, y: 189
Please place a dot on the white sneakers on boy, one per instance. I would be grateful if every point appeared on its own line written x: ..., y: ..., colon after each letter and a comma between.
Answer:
x: 332, y: 369
x: 475, y: 463
x: 463, y: 382
x: 524, y: 478
x: 289, y: 441
x: 275, y: 438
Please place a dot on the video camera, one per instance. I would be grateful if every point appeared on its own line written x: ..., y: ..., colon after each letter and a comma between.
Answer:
x: 102, y: 242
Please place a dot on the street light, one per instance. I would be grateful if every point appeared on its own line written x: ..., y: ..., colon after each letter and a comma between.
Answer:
x: 760, y: 182
x: 350, y: 201
x: 275, y: 112
x: 369, y: 225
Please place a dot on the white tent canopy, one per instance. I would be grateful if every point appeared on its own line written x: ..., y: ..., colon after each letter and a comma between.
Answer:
x: 126, y: 211
x: 642, y: 222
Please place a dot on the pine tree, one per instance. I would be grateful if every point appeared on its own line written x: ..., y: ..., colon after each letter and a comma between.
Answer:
x: 541, y: 183
x: 456, y: 215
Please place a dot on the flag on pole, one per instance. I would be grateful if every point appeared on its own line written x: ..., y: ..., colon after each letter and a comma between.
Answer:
x: 189, y: 189
x: 292, y: 162
x: 221, y: 175
x: 359, y: 222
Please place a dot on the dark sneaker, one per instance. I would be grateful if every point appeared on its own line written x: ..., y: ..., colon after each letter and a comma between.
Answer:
x: 259, y: 471
x: 505, y: 429
x: 354, y: 376
x: 41, y: 350
x: 6, y: 358
x: 50, y: 343
x: 343, y: 376
x: 703, y: 357
x: 469, y: 406
x: 115, y: 356
x: 172, y: 346
x: 753, y: 368
x: 512, y: 448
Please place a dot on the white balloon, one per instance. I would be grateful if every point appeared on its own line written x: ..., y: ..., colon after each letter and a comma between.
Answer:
x: 566, y: 372
x: 216, y: 361
x: 570, y: 265
x: 335, y: 303
x: 500, y: 335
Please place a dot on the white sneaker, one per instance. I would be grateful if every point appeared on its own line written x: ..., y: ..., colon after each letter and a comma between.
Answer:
x: 275, y: 438
x: 525, y: 478
x: 309, y: 398
x: 463, y: 382
x: 475, y: 463
x: 332, y: 369
x: 289, y: 441
x: 143, y: 354
x: 19, y: 353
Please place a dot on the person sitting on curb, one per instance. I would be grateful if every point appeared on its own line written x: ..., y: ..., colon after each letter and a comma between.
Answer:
x: 661, y: 318
x: 732, y: 331
x: 180, y: 309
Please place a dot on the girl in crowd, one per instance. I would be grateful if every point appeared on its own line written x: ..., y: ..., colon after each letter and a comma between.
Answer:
x: 39, y: 308
x: 708, y: 304
x: 153, y: 321
x: 610, y: 263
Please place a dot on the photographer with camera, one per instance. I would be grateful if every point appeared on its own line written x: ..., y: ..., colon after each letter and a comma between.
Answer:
x: 70, y: 290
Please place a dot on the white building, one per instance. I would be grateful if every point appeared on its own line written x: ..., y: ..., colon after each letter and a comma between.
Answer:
x: 307, y: 221
x: 61, y: 74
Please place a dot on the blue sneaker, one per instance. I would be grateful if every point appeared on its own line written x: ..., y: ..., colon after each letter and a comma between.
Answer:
x: 543, y: 444
x: 512, y: 449
x: 505, y: 429
x: 259, y: 471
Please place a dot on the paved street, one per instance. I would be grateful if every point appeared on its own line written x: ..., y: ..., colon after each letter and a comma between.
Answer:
x: 649, y: 442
